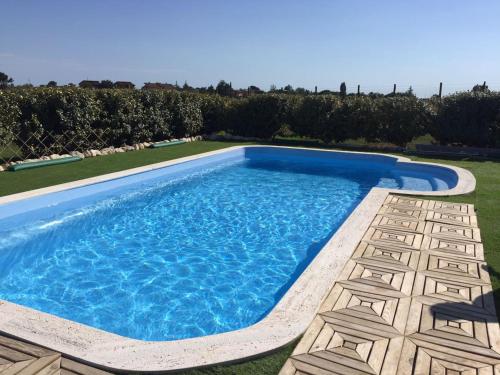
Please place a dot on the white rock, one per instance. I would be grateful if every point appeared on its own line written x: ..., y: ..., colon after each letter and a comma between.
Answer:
x: 3, y: 168
x: 129, y: 148
x: 78, y: 154
x: 54, y: 157
x: 108, y: 151
x: 147, y: 144
x: 119, y: 150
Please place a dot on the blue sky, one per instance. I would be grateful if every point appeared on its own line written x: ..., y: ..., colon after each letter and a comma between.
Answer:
x: 302, y: 43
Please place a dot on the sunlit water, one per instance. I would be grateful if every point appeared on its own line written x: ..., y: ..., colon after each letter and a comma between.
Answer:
x: 211, y: 252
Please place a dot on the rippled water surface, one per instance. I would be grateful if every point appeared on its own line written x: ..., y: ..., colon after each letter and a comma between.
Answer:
x: 211, y: 252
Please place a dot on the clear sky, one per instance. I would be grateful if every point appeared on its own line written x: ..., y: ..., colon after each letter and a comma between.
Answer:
x: 261, y: 42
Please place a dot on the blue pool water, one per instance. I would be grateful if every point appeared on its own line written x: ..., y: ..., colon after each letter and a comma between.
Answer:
x: 208, y: 249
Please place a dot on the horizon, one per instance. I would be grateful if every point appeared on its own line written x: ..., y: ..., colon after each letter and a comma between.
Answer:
x: 259, y: 43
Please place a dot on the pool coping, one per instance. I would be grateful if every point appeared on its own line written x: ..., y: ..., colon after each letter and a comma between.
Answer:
x: 286, y: 321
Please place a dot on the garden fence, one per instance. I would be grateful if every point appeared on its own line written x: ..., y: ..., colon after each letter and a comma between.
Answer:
x: 36, y: 145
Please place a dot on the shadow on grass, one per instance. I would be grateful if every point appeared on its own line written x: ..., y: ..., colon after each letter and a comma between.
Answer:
x: 267, y: 365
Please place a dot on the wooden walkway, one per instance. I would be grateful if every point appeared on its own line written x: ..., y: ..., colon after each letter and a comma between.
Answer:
x: 20, y: 358
x: 415, y: 298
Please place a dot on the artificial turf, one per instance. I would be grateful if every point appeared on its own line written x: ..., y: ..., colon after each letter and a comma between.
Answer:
x: 486, y: 199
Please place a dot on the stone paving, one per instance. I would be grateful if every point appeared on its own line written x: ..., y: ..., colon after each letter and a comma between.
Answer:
x: 415, y: 298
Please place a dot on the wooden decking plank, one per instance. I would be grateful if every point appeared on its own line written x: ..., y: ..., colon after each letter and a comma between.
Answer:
x: 15, y: 368
x: 24, y: 347
x: 41, y: 365
x: 419, y: 268
x: 81, y: 368
x: 351, y: 365
x: 13, y: 355
x: 68, y: 372
x: 305, y: 367
x: 326, y: 365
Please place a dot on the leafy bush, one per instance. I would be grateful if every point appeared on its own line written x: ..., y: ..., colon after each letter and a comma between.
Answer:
x: 258, y: 116
x: 80, y: 117
x: 400, y: 119
x: 188, y: 118
x: 471, y: 119
x: 313, y: 117
x: 332, y: 118
x: 123, y: 114
x: 9, y: 117
x: 214, y: 109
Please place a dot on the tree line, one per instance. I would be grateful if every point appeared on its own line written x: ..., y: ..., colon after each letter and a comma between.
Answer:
x: 223, y: 88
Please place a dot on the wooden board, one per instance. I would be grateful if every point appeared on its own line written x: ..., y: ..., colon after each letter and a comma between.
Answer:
x: 415, y: 298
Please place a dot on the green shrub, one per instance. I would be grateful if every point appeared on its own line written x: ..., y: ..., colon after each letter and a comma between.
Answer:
x: 188, y: 118
x: 214, y: 109
x: 313, y: 117
x: 471, y: 118
x: 123, y: 116
x: 400, y: 119
x: 9, y: 117
x: 84, y: 118
x: 157, y: 115
x: 258, y: 116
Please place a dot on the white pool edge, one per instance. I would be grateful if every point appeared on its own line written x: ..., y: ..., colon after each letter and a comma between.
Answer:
x: 286, y: 321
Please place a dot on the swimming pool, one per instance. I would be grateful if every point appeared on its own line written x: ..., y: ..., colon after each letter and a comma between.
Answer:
x: 198, y: 248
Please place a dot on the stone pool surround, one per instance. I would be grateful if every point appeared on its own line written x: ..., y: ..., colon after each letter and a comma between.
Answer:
x: 287, y: 320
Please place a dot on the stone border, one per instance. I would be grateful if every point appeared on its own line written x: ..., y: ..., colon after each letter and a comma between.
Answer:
x: 287, y: 321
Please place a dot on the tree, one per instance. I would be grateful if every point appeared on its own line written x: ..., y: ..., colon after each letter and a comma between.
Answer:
x: 254, y: 90
x: 343, y: 89
x: 5, y: 80
x: 106, y: 84
x: 52, y: 84
x: 302, y: 91
x: 409, y: 92
x: 224, y: 89
x: 480, y: 88
x: 288, y: 88
x: 272, y: 88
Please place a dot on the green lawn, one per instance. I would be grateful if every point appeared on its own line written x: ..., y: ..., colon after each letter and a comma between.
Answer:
x: 486, y: 199
x: 15, y: 182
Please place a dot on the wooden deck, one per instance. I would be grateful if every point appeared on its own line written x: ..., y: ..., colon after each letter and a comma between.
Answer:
x: 415, y: 298
x: 20, y: 358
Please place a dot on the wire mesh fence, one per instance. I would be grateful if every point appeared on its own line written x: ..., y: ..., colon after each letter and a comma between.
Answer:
x: 40, y: 145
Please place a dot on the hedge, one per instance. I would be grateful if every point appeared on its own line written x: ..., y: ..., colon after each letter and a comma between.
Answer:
x: 471, y: 119
x: 120, y: 116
